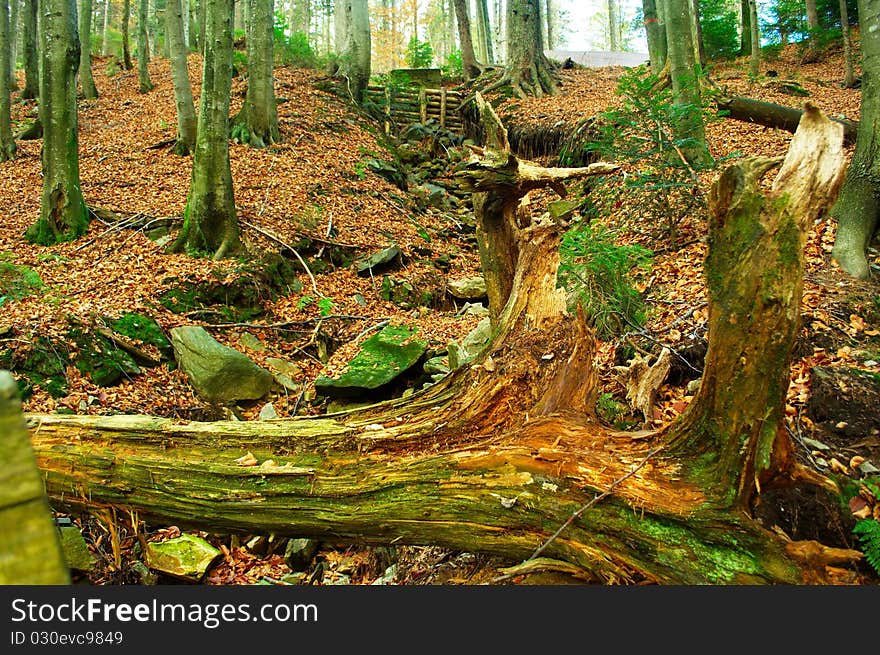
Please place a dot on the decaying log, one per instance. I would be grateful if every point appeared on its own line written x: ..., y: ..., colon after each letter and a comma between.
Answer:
x: 770, y: 114
x: 497, y: 458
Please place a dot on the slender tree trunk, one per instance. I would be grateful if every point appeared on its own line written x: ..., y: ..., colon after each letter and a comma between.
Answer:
x: 184, y: 15
x: 356, y: 60
x: 685, y: 81
x: 144, y: 83
x: 481, y: 32
x: 755, y: 59
x: 183, y: 98
x: 126, y: 46
x: 849, y: 77
x: 812, y: 14
x: 698, y: 33
x: 31, y: 550
x: 655, y: 34
x: 63, y: 214
x: 468, y: 57
x: 29, y: 46
x: 13, y: 43
x: 257, y: 123
x: 210, y: 223
x: 613, y: 27
x: 550, y: 19
x: 858, y: 209
x: 7, y: 143
x: 745, y: 36
x: 105, y: 33
x: 86, y: 80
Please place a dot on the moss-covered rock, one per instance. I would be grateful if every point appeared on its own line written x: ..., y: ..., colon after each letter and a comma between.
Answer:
x: 100, y: 359
x: 16, y: 282
x: 139, y: 327
x: 41, y: 363
x: 382, y: 359
x: 186, y: 556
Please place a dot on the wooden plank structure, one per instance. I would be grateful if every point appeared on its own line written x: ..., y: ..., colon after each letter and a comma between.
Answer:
x: 403, y: 105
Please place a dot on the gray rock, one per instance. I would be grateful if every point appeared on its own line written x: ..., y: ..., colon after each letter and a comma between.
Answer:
x: 436, y: 365
x: 217, y: 373
x: 471, y: 288
x: 471, y: 346
x: 382, y: 358
x: 76, y: 551
x: 186, y: 556
x: 474, y: 309
x: 300, y: 552
x: 267, y: 412
x: 378, y: 261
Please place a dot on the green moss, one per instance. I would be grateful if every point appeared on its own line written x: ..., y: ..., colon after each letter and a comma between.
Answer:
x: 42, y: 364
x: 100, y: 359
x: 142, y: 328
x: 17, y: 282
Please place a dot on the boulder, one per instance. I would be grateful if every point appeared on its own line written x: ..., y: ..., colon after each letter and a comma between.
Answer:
x: 186, y: 556
x: 382, y: 359
x: 76, y: 552
x: 471, y: 288
x: 218, y: 374
x: 471, y: 346
x: 378, y: 261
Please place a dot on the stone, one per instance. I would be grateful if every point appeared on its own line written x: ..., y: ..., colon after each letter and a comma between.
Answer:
x: 76, y: 551
x: 471, y: 288
x: 285, y: 373
x: 471, y: 346
x: 562, y: 210
x: 186, y: 556
x: 436, y: 365
x: 378, y: 261
x: 267, y: 412
x: 300, y: 552
x: 381, y: 360
x: 218, y: 374
x: 473, y: 309
x: 250, y: 341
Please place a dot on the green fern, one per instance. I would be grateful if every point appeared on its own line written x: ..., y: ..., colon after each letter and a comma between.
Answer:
x: 868, y: 531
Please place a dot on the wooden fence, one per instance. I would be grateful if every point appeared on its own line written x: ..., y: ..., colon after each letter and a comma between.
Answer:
x: 401, y: 106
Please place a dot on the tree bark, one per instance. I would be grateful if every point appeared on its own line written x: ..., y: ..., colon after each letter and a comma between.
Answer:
x: 505, y: 456
x: 86, y: 80
x: 685, y: 78
x: 183, y: 98
x: 31, y: 550
x: 105, y: 33
x: 356, y: 61
x: 13, y: 42
x: 485, y: 31
x: 210, y: 225
x: 469, y: 65
x: 63, y: 214
x: 257, y: 122
x: 613, y: 27
x: 549, y: 18
x: 7, y: 143
x: 745, y: 35
x: 29, y: 47
x: 340, y: 30
x: 755, y: 40
x: 858, y: 207
x: 126, y: 47
x: 655, y: 33
x: 144, y: 83
x: 849, y: 78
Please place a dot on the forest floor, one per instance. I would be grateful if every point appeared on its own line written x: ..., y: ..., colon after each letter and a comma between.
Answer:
x: 314, y: 192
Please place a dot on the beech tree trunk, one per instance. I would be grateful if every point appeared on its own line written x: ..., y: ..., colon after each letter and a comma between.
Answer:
x: 858, y: 209
x: 355, y: 64
x: 144, y: 83
x: 683, y: 72
x: 86, y: 80
x: 849, y: 78
x: 63, y: 214
x: 528, y: 71
x: 105, y: 33
x: 506, y: 456
x: 7, y: 143
x: 183, y: 98
x: 13, y: 42
x: 210, y: 224
x: 655, y: 34
x: 29, y: 50
x: 257, y: 122
x: 469, y: 65
x: 745, y: 34
x: 31, y: 550
x: 126, y: 47
x: 755, y: 40
x: 613, y: 27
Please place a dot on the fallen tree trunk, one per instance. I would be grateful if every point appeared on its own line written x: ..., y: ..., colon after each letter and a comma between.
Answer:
x: 506, y: 456
x: 770, y: 114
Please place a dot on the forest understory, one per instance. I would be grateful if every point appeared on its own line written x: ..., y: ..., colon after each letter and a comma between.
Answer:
x: 322, y: 199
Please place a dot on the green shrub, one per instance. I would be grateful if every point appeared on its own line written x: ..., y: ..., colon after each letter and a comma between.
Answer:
x: 419, y: 54
x: 719, y: 27
x: 595, y: 272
